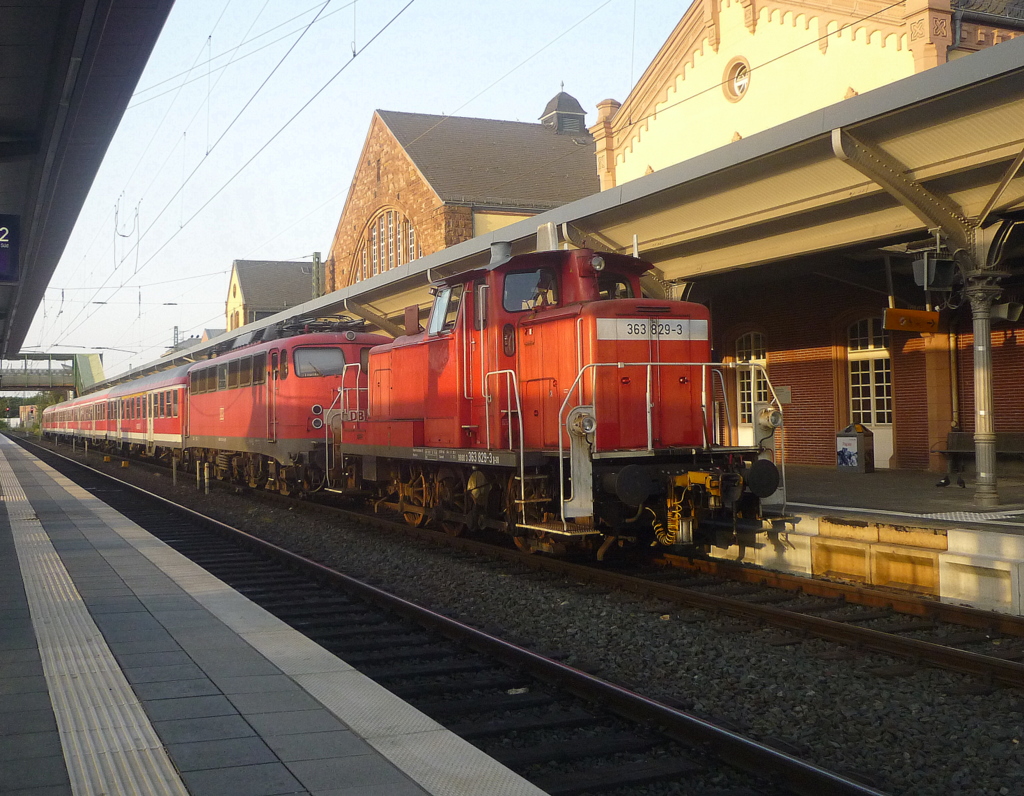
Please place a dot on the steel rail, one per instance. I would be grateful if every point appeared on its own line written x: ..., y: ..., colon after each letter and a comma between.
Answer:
x: 860, y: 595
x: 801, y: 776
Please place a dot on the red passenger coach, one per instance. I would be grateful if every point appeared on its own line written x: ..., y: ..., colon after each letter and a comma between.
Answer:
x: 550, y: 399
x: 147, y: 414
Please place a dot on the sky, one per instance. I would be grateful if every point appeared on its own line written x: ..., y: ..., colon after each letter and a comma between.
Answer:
x: 242, y: 137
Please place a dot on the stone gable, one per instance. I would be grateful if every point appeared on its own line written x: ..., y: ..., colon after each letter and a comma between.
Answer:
x: 385, y: 179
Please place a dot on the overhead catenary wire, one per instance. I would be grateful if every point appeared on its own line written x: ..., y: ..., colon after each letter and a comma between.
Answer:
x: 245, y: 165
x: 231, y: 51
x: 199, y: 165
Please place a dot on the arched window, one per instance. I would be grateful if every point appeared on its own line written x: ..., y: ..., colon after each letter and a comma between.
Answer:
x: 390, y: 241
x: 870, y: 373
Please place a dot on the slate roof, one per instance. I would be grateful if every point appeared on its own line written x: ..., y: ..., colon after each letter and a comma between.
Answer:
x: 497, y: 163
x: 562, y: 103
x: 273, y: 284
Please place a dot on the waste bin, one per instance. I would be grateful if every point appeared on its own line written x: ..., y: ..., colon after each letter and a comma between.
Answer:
x: 855, y: 449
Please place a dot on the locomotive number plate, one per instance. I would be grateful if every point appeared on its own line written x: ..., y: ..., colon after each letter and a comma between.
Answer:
x: 652, y: 328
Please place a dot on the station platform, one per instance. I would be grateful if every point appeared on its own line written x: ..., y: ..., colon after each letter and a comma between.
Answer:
x: 896, y: 529
x: 905, y: 493
x: 127, y: 669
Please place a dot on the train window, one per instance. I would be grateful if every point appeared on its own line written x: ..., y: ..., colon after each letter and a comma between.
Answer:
x: 319, y: 362
x: 284, y: 364
x: 233, y: 367
x: 222, y: 376
x: 446, y: 309
x: 259, y: 368
x: 364, y: 359
x: 211, y: 379
x: 174, y: 401
x: 612, y: 286
x: 193, y: 383
x: 527, y: 290
x: 245, y: 371
x: 163, y: 404
x: 480, y: 304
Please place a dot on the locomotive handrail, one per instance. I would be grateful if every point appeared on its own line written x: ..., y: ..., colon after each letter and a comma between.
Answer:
x: 329, y: 430
x: 593, y: 366
x: 511, y: 379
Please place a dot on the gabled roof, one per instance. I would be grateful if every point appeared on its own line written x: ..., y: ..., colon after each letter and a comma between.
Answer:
x: 273, y: 284
x: 496, y: 163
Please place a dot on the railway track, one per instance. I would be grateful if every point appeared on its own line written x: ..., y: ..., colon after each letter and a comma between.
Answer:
x: 920, y: 631
x: 564, y: 730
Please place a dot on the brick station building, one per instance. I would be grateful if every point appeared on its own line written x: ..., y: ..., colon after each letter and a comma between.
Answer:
x: 426, y: 182
x: 733, y: 68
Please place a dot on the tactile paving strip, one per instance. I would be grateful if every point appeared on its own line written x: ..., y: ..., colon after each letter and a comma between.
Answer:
x: 109, y: 745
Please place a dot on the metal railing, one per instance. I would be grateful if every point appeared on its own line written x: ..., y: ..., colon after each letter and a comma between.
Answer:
x: 712, y: 369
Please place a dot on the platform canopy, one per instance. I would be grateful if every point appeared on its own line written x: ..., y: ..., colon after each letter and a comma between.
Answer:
x: 955, y: 132
x: 67, y: 71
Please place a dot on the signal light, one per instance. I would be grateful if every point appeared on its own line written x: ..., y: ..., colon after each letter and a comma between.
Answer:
x: 318, y: 423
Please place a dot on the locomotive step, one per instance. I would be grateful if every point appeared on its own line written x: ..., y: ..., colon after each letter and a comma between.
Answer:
x: 570, y: 529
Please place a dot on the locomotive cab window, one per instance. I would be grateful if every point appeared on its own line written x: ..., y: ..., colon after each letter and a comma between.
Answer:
x: 528, y: 290
x: 446, y: 309
x: 318, y: 362
x: 613, y: 286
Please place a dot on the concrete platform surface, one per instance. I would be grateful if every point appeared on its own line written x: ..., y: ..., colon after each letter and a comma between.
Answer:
x: 904, y: 492
x: 125, y: 668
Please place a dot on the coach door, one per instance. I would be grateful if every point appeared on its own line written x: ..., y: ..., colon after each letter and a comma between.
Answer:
x: 150, y: 403
x: 272, y: 388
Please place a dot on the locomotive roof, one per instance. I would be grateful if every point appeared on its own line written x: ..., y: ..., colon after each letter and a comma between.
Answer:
x: 618, y: 262
x: 164, y: 378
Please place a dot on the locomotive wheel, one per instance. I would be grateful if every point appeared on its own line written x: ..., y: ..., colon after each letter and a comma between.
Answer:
x: 414, y: 493
x: 450, y: 489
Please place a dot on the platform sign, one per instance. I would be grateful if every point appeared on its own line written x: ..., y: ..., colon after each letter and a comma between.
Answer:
x: 9, y: 239
x: 894, y: 320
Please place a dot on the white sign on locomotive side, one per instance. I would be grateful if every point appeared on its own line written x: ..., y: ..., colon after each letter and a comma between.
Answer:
x: 652, y: 328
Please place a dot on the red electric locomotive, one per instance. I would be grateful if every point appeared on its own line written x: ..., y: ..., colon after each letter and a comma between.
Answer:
x: 256, y: 413
x: 549, y: 399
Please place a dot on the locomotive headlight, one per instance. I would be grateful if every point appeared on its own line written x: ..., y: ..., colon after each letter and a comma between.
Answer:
x: 770, y: 418
x: 318, y: 423
x: 588, y: 424
x: 597, y: 262
x: 317, y: 409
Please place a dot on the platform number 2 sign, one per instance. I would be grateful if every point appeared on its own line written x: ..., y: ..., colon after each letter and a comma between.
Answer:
x: 8, y: 248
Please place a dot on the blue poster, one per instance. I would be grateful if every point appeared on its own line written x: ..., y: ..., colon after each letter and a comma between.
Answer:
x: 9, y: 248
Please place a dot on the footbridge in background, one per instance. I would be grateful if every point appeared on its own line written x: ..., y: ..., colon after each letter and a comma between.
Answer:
x: 38, y: 372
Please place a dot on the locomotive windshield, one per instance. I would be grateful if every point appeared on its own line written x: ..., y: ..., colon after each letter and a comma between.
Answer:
x: 318, y: 362
x: 527, y: 290
x: 613, y: 286
x: 446, y: 309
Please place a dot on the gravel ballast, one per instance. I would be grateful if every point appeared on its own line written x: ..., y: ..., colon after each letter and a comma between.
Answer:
x: 908, y: 735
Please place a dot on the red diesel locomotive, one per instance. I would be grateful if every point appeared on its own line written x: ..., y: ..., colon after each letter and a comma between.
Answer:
x: 547, y: 399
